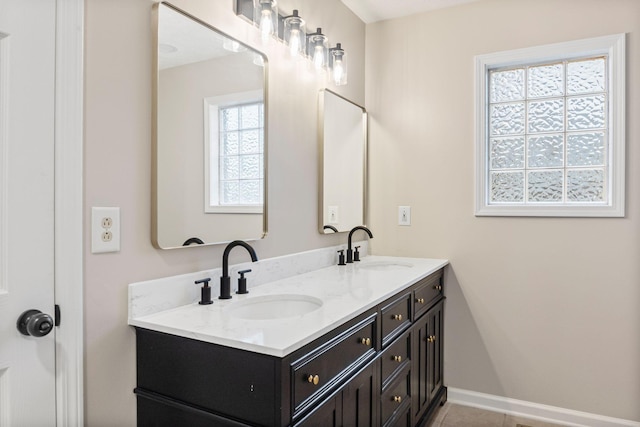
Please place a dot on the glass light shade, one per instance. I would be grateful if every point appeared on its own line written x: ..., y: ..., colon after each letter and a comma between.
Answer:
x: 232, y: 45
x: 338, y: 65
x: 295, y: 35
x: 265, y: 15
x: 319, y: 50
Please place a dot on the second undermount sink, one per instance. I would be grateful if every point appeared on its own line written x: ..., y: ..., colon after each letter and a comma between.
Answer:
x: 384, y: 265
x: 273, y: 307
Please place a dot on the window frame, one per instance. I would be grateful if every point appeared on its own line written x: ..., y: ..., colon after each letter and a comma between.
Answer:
x: 612, y: 46
x: 212, y: 106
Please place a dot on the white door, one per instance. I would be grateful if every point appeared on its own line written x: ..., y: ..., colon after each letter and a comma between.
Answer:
x: 27, y: 363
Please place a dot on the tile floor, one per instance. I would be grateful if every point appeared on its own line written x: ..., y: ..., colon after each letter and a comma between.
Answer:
x: 453, y: 415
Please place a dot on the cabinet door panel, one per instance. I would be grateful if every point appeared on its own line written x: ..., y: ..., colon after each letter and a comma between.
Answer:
x: 427, y: 357
x: 326, y: 414
x: 359, y: 398
x: 434, y: 350
x: 419, y: 395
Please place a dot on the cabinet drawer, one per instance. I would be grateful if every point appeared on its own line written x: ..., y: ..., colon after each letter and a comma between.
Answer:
x: 395, y: 318
x: 395, y: 356
x: 401, y: 419
x: 326, y: 366
x: 426, y: 292
x: 395, y: 395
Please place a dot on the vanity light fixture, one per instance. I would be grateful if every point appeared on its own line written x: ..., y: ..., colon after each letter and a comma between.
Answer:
x: 291, y: 30
x: 319, y: 49
x: 338, y: 65
x: 294, y: 35
x: 266, y: 17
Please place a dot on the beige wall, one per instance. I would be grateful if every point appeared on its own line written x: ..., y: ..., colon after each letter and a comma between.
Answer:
x: 118, y: 172
x: 545, y: 310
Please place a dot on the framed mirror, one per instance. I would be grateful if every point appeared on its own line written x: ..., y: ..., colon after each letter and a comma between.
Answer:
x: 209, y: 148
x: 343, y: 163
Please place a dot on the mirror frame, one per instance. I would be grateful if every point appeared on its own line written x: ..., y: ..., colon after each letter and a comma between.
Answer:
x: 365, y: 160
x: 155, y: 232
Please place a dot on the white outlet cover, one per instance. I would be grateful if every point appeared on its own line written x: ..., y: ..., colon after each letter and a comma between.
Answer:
x: 98, y: 244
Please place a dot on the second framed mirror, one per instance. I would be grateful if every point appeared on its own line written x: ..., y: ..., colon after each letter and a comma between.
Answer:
x: 343, y: 163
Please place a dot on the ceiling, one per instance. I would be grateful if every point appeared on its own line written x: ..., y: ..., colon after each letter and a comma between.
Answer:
x: 379, y: 10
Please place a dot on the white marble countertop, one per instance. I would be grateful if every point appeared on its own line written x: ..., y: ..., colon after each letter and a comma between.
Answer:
x: 345, y: 292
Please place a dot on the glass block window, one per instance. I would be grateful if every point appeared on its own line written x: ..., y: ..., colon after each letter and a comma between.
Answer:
x: 241, y: 154
x: 234, y: 153
x: 550, y: 130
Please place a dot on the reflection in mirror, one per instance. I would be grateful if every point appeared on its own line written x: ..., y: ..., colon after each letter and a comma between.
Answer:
x: 343, y: 147
x: 210, y: 145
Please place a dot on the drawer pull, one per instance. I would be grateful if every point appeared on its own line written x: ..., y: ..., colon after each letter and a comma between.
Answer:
x: 431, y: 338
x: 397, y: 317
x: 438, y: 287
x: 420, y: 300
x: 397, y: 399
x: 313, y: 379
x: 365, y: 341
x: 396, y: 358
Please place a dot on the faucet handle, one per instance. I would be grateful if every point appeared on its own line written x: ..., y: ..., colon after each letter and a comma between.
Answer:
x: 205, y: 291
x: 356, y: 254
x: 242, y: 282
x: 341, y: 257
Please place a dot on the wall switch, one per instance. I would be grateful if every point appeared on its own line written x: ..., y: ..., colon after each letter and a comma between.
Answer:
x: 333, y: 215
x: 404, y: 215
x: 105, y: 230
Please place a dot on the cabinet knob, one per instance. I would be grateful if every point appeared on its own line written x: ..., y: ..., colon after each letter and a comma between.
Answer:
x: 431, y: 338
x: 397, y: 317
x: 397, y: 399
x: 397, y: 359
x: 313, y: 379
x: 420, y: 300
x: 366, y: 341
x: 438, y: 287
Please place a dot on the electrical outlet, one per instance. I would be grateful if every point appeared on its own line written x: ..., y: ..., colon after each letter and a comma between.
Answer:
x: 105, y: 230
x: 404, y: 215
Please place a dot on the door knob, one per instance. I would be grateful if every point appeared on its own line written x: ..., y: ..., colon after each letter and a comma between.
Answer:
x: 35, y: 323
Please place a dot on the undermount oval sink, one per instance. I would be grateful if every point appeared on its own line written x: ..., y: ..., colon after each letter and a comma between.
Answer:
x: 384, y: 265
x: 271, y: 307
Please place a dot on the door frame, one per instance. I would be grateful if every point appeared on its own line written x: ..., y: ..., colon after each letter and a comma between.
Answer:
x: 68, y: 209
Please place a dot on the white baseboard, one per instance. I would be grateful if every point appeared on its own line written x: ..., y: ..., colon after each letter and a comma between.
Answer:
x: 521, y: 408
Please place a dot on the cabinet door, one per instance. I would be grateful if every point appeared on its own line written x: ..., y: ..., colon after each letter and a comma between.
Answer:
x: 427, y: 359
x: 435, y: 349
x: 326, y: 414
x: 419, y: 368
x: 360, y: 397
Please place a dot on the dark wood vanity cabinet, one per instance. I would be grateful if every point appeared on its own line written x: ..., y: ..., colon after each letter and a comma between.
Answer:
x: 383, y: 368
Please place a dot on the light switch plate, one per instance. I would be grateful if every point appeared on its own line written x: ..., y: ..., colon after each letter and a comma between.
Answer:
x: 334, y: 217
x: 105, y: 230
x: 404, y: 215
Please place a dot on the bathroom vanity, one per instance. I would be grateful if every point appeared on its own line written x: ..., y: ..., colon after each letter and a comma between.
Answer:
x: 355, y: 345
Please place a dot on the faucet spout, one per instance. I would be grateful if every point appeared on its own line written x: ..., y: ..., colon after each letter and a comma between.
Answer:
x: 225, y: 286
x: 349, y: 250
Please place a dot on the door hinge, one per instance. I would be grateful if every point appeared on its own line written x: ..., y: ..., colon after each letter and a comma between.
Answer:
x: 57, y: 315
